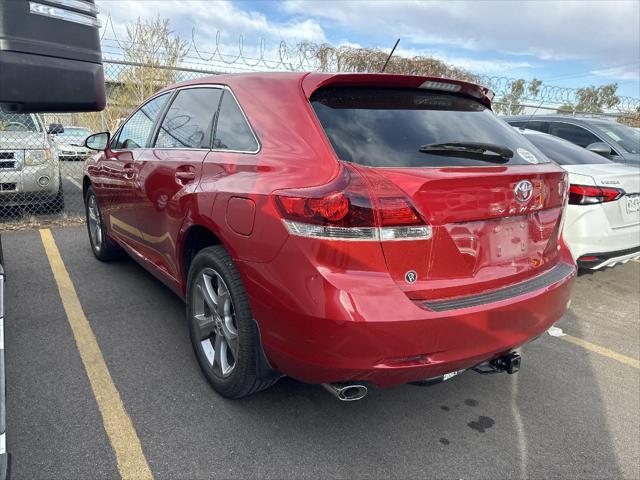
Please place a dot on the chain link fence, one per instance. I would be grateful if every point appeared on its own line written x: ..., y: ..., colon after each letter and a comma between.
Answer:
x: 42, y: 155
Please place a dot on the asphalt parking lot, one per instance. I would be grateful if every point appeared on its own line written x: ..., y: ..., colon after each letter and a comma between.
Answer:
x: 572, y: 411
x: 72, y: 172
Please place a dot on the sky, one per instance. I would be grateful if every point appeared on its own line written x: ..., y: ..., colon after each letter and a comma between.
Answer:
x: 564, y: 43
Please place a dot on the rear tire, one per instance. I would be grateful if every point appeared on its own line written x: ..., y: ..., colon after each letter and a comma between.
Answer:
x: 102, y: 246
x: 223, y: 333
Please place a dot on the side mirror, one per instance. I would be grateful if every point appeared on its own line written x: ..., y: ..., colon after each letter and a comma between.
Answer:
x: 600, y: 148
x: 55, y: 129
x: 97, y: 141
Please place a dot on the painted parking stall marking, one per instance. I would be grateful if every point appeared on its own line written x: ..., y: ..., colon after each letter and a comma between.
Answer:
x: 559, y: 333
x: 130, y: 458
x: 632, y: 362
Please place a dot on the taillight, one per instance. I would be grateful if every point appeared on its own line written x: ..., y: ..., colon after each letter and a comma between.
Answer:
x: 588, y: 195
x: 357, y: 205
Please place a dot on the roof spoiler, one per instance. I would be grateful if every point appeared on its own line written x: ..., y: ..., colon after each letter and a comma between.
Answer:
x: 315, y: 81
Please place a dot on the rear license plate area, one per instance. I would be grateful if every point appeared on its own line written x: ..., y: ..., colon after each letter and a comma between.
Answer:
x: 632, y: 203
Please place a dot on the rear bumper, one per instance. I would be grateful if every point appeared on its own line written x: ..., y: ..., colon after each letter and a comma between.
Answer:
x: 338, y: 326
x: 596, y: 261
x: 588, y: 233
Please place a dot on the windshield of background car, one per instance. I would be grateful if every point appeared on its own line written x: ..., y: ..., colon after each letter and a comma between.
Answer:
x: 385, y: 127
x: 626, y: 137
x: 71, y: 132
x: 563, y: 152
x: 18, y: 122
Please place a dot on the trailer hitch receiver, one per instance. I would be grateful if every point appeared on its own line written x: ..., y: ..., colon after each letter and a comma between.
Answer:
x: 509, y: 363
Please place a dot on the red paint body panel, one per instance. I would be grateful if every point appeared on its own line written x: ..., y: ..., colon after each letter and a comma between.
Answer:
x: 241, y: 215
x: 339, y: 310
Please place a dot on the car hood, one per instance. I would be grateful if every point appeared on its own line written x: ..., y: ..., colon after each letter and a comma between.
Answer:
x: 23, y: 141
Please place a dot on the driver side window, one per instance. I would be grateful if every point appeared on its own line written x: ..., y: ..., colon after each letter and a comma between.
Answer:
x: 135, y: 132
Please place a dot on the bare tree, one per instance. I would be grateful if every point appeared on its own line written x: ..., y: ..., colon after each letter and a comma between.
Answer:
x: 153, y: 53
x: 351, y: 59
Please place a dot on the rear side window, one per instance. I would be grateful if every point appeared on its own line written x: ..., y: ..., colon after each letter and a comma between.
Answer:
x: 189, y: 119
x: 232, y: 130
x: 385, y: 127
x: 565, y: 153
x: 573, y: 133
x: 135, y: 133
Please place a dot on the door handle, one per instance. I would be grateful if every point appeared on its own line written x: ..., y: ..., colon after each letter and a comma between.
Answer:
x: 185, y: 176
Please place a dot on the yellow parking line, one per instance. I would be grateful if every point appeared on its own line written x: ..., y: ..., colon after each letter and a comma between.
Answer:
x: 132, y: 463
x: 633, y: 362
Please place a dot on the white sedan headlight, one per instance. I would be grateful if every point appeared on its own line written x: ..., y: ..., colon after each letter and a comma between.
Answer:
x: 36, y: 157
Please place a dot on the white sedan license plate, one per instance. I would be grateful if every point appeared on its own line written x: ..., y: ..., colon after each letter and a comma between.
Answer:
x: 633, y: 203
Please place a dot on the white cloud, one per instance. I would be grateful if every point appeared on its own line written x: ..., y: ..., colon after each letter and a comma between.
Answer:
x: 472, y: 64
x: 629, y: 72
x: 210, y: 19
x: 606, y: 32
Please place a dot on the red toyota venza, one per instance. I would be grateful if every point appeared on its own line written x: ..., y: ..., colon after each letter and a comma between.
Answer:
x: 351, y: 230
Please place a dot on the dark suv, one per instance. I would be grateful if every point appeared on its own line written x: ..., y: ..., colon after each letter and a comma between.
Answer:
x: 612, y: 140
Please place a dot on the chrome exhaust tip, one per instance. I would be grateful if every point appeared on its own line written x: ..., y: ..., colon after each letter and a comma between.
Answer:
x: 346, y: 392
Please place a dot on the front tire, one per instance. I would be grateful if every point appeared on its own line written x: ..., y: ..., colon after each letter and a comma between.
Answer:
x: 223, y: 334
x: 102, y: 246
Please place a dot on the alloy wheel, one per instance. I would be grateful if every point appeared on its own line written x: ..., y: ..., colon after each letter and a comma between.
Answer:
x: 214, y: 321
x: 95, y: 224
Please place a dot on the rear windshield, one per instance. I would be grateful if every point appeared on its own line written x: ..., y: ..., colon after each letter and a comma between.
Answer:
x: 384, y: 127
x: 563, y: 152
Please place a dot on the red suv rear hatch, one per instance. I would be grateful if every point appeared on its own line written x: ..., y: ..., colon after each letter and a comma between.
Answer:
x: 493, y: 201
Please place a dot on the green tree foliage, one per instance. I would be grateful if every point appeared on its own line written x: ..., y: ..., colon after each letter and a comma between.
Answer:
x: 512, y: 102
x: 593, y: 100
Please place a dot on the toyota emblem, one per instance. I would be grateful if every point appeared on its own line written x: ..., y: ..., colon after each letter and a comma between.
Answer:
x: 523, y: 190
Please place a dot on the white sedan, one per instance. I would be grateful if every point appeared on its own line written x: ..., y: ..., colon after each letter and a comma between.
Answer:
x: 602, y: 222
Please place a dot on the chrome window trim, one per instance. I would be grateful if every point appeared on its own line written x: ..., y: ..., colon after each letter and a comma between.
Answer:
x: 173, y: 93
x: 244, y: 115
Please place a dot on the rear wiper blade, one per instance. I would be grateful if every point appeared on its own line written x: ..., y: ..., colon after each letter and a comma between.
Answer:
x: 470, y: 147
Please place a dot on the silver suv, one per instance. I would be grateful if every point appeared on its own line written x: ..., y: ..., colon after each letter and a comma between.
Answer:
x: 612, y: 140
x: 29, y: 166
